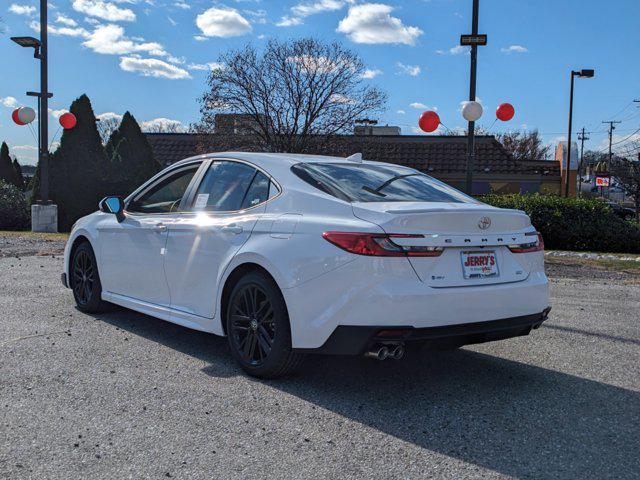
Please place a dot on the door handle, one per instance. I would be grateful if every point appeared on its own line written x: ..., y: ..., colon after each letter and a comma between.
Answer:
x: 159, y: 228
x: 235, y: 229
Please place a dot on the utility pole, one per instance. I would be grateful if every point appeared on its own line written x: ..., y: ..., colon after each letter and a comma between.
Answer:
x: 473, y: 41
x: 44, y: 104
x: 582, y: 137
x: 611, y: 129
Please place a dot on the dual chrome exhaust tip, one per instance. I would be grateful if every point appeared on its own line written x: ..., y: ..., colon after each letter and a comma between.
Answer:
x: 394, y: 351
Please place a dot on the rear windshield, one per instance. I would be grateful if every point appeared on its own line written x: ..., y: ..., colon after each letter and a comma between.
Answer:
x: 368, y: 182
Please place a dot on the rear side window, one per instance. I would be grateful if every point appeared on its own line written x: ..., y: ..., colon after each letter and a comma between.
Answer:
x: 377, y: 183
x: 230, y: 186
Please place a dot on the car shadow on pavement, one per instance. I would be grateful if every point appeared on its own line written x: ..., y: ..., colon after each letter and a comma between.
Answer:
x: 510, y: 417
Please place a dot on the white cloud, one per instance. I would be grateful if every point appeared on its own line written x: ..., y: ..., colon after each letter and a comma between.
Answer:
x: 457, y: 50
x: 514, y: 49
x: 222, y: 22
x: 206, y: 66
x: 182, y: 5
x: 303, y: 10
x: 200, y: 38
x: 162, y: 125
x: 288, y: 21
x: 66, y: 31
x: 152, y: 67
x: 172, y: 21
x: 9, y: 102
x: 401, y: 112
x: 111, y: 40
x: 24, y: 148
x: 413, y: 70
x: 258, y: 16
x: 22, y: 9
x: 372, y: 23
x: 57, y: 113
x: 105, y: 10
x: 63, y: 19
x: 422, y: 106
x: 371, y: 73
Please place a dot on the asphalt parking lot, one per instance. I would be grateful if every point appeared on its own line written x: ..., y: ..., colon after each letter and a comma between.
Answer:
x: 122, y: 395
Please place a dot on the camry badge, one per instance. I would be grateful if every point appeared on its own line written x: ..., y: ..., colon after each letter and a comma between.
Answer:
x: 484, y: 223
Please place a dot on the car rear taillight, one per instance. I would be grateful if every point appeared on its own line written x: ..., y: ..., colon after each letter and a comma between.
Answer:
x: 379, y: 244
x: 529, y: 247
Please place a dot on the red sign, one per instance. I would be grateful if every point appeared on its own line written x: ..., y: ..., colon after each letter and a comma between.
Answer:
x: 602, y: 181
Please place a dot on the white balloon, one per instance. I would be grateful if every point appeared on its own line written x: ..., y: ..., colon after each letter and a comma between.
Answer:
x: 471, y: 111
x: 26, y: 114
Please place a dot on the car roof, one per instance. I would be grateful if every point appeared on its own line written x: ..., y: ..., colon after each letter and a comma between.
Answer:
x: 276, y: 163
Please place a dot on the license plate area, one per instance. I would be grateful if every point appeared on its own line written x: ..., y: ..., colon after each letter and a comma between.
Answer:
x: 479, y: 264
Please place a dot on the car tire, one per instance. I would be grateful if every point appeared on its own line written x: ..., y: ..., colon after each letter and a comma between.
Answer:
x: 84, y: 280
x: 258, y: 328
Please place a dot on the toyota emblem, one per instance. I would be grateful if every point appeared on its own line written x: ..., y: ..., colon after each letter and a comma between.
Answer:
x: 484, y: 223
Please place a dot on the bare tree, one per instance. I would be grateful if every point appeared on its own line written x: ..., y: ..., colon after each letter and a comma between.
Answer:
x: 627, y: 172
x: 524, y: 145
x: 107, y: 125
x: 291, y: 97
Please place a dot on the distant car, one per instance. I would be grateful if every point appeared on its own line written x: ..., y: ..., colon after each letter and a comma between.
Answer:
x: 622, y: 211
x: 294, y: 254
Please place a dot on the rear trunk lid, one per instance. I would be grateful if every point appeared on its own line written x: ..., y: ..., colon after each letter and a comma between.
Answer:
x: 463, y: 230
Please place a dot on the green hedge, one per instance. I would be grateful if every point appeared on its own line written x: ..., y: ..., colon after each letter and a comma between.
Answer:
x: 573, y: 224
x: 14, y: 211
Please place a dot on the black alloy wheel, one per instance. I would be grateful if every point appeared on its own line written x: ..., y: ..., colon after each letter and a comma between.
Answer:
x: 252, y: 324
x: 83, y: 277
x: 84, y: 280
x: 258, y: 327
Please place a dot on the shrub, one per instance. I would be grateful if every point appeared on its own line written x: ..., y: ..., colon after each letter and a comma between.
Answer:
x: 14, y: 212
x: 573, y: 223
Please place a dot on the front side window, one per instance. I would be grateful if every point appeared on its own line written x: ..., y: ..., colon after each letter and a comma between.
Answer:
x: 377, y: 183
x: 164, y: 196
x: 230, y: 186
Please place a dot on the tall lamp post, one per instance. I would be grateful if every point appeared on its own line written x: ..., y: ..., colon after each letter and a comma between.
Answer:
x: 585, y: 73
x: 44, y: 216
x: 473, y: 40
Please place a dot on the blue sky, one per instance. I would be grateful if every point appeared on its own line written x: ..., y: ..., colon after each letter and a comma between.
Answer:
x: 151, y: 57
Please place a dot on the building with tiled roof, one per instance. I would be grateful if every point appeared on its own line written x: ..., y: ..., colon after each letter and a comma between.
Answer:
x: 443, y: 157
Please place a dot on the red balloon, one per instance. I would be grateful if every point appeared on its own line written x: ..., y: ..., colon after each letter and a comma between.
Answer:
x: 68, y: 120
x: 505, y: 112
x: 15, y: 117
x: 429, y: 121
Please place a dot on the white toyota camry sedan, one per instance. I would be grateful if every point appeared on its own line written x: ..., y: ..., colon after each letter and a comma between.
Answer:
x: 291, y: 254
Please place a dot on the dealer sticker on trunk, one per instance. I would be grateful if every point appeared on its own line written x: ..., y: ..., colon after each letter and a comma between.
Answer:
x: 481, y: 264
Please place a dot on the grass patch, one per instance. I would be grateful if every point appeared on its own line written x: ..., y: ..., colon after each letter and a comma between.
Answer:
x: 36, y: 235
x: 629, y: 266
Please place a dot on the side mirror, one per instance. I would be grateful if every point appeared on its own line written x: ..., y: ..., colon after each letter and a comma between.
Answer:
x: 114, y: 205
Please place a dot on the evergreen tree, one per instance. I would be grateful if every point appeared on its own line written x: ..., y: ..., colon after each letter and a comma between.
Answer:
x: 20, y: 183
x: 130, y: 157
x: 78, y: 168
x: 7, y: 172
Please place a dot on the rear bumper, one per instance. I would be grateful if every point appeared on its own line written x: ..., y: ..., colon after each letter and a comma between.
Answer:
x: 356, y: 340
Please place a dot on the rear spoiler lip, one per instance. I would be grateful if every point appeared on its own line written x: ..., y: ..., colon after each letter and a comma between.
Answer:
x: 497, y: 211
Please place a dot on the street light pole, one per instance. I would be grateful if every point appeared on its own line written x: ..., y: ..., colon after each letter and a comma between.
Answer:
x: 44, y: 105
x: 568, y: 163
x: 586, y: 73
x: 472, y: 98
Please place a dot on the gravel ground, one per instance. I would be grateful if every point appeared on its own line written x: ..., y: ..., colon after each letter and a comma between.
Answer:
x: 18, y: 244
x: 122, y: 395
